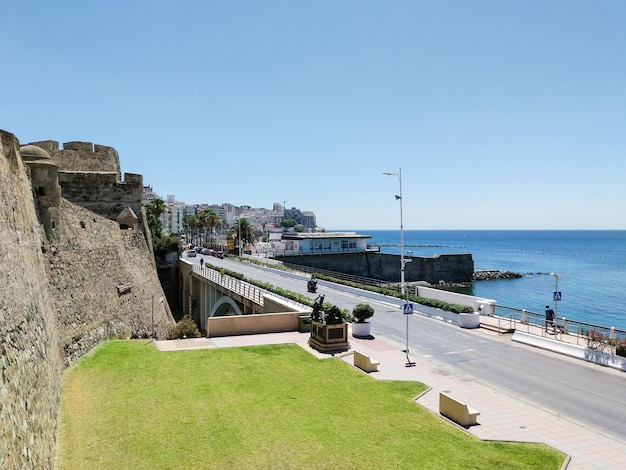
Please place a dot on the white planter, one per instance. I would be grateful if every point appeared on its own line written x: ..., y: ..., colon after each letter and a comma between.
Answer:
x: 469, y: 320
x: 360, y: 330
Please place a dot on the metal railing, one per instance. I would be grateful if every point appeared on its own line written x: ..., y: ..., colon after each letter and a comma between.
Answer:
x: 245, y: 289
x: 600, y: 337
x: 237, y: 286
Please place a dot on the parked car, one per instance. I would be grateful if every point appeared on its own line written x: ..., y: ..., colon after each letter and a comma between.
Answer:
x: 191, y: 253
x: 205, y: 251
x: 219, y: 254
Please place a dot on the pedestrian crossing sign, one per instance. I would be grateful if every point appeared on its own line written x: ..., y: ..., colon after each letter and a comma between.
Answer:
x: 407, y: 309
x: 557, y: 296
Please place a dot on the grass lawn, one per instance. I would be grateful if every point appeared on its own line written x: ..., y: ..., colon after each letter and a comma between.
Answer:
x: 128, y: 406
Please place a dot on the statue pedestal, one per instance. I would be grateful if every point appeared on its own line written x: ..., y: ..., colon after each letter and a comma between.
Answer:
x: 329, y: 338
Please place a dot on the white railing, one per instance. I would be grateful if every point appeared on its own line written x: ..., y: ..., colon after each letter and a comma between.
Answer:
x: 237, y: 286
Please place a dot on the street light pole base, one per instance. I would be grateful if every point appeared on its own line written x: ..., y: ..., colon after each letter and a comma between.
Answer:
x: 409, y: 362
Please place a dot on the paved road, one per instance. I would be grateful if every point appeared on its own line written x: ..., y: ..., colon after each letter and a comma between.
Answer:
x: 587, y: 393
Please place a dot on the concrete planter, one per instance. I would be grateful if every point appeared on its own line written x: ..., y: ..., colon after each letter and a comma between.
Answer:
x: 464, y: 320
x: 469, y: 320
x: 361, y: 330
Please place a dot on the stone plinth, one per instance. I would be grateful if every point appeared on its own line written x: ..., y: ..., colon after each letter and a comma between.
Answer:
x: 329, y: 338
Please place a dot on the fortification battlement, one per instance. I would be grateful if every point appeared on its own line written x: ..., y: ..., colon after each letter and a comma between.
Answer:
x: 49, y: 145
x: 81, y: 156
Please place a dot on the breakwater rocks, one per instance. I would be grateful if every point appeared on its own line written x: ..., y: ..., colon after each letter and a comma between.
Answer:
x: 491, y: 275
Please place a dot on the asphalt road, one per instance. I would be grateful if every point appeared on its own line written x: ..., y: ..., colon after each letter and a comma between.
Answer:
x: 587, y: 393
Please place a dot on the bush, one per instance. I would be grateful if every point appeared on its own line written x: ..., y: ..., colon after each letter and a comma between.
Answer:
x: 185, y: 328
x: 620, y: 348
x: 362, y: 312
x: 164, y: 245
x: 596, y: 340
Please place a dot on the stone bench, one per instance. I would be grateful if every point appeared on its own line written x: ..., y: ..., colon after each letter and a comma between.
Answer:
x: 457, y: 411
x: 365, y: 363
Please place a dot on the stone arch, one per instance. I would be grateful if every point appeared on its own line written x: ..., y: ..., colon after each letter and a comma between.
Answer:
x: 223, y: 305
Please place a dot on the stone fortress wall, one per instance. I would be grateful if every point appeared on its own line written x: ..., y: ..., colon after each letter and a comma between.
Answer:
x: 69, y: 279
x: 90, y: 175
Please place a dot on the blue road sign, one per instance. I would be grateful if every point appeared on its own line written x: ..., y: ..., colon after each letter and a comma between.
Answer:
x: 557, y: 296
x: 407, y: 309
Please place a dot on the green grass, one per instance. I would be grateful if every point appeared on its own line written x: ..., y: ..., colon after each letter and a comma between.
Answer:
x: 128, y: 406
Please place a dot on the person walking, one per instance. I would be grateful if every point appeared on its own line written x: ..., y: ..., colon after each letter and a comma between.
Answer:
x: 550, y: 319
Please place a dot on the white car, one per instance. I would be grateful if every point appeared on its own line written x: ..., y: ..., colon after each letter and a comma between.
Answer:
x: 191, y: 253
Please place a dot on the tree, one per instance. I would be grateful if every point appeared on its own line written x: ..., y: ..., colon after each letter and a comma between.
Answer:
x: 154, y: 209
x: 209, y: 219
x: 187, y: 222
x: 248, y: 234
x: 201, y: 218
x: 288, y: 223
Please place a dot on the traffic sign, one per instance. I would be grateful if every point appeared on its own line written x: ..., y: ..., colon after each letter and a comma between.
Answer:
x: 557, y: 296
x: 407, y: 309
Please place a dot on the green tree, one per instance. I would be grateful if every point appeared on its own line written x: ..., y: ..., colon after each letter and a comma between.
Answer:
x: 208, y: 219
x: 201, y: 220
x: 248, y: 233
x: 187, y: 219
x: 154, y: 209
x: 288, y: 223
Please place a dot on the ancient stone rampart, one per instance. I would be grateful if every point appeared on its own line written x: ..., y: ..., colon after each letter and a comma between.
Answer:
x: 59, y: 297
x: 103, y: 192
x: 29, y: 360
x: 82, y: 156
x: 90, y: 175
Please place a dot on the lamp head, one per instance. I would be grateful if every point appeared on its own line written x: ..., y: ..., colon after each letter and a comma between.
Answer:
x: 554, y: 275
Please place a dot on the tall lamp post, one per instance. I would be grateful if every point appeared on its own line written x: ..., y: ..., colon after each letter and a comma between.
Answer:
x: 403, y: 262
x: 557, y: 295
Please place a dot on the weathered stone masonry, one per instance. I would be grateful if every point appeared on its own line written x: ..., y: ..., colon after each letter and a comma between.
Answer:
x: 69, y: 279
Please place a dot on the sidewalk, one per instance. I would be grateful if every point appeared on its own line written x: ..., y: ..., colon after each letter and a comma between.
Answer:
x: 501, y: 418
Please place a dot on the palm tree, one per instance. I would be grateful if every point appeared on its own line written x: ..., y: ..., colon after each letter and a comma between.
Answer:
x: 154, y: 209
x: 201, y: 218
x: 243, y: 227
x: 212, y: 220
x: 188, y: 222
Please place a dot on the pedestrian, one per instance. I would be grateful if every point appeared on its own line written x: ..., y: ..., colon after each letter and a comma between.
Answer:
x: 549, y: 318
x: 201, y: 261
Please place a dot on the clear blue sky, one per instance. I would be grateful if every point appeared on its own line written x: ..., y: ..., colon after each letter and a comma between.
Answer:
x: 501, y: 114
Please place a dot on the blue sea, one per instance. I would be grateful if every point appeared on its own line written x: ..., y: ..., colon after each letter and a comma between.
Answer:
x: 591, y: 265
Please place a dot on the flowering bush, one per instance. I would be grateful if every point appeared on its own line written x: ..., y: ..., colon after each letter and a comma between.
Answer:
x: 596, y: 340
x: 620, y: 348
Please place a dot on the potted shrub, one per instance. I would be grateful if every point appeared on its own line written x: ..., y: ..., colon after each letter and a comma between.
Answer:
x: 360, y: 327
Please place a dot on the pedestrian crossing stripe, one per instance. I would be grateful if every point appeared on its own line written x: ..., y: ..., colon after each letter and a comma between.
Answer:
x: 407, y: 309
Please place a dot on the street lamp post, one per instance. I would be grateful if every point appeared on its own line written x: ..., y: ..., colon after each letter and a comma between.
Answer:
x: 557, y: 295
x: 402, y: 263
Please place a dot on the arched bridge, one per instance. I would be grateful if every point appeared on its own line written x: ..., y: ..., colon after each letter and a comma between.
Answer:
x: 208, y: 295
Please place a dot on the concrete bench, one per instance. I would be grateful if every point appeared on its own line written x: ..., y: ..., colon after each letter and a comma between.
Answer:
x: 457, y: 411
x: 365, y: 363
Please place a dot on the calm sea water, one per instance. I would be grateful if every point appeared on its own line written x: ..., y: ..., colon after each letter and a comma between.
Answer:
x: 591, y: 265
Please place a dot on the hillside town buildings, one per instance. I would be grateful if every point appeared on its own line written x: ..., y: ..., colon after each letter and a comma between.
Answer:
x: 265, y: 220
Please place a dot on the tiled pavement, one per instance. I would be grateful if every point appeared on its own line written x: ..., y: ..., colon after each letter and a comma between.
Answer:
x: 501, y: 417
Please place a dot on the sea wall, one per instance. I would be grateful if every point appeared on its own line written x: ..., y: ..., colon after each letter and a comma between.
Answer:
x: 447, y: 268
x: 59, y: 297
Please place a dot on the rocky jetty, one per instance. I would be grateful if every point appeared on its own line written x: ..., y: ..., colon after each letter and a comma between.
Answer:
x: 491, y: 275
